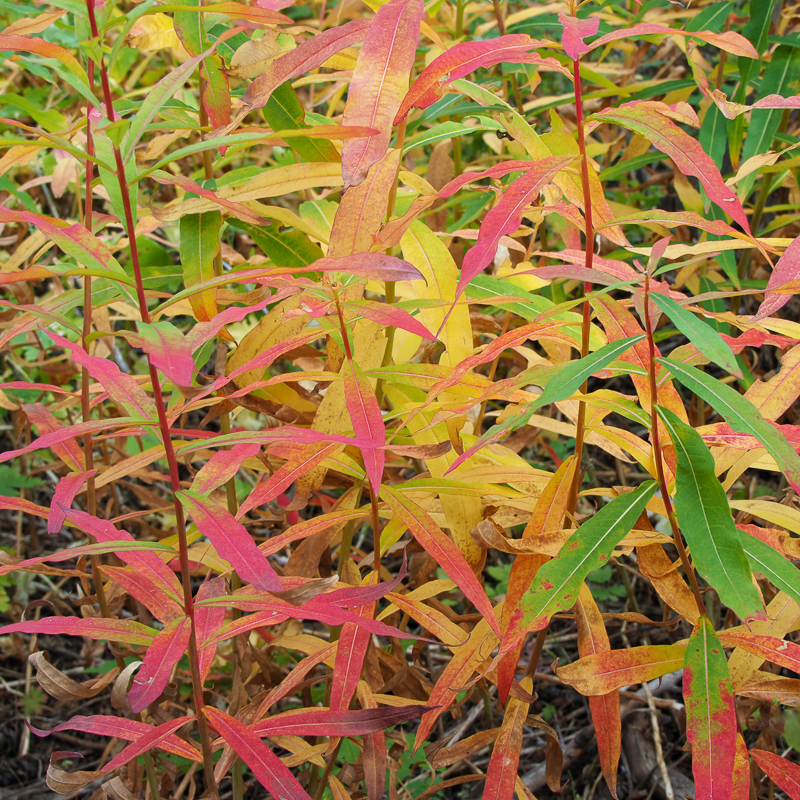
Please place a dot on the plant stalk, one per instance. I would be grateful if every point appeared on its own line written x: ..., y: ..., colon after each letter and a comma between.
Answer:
x: 656, y: 442
x: 587, y: 287
x: 163, y: 423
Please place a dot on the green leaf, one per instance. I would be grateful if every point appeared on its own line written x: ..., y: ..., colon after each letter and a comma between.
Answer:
x: 557, y: 584
x: 704, y: 516
x: 286, y: 248
x: 764, y: 559
x: 199, y: 247
x: 564, y: 382
x: 740, y: 414
x: 710, y: 714
x: 571, y: 377
x: 704, y: 338
x: 284, y: 112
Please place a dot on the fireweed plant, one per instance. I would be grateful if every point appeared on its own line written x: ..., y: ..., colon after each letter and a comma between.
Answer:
x: 317, y: 316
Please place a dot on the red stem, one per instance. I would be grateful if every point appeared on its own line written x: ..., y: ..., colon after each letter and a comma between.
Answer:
x: 197, y: 683
x: 587, y: 287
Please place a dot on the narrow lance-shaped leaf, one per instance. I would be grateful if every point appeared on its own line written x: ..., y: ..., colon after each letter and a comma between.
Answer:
x: 68, y: 487
x: 705, y: 518
x: 771, y: 648
x: 231, y: 541
x: 685, y: 151
x: 199, y: 246
x: 443, y: 550
x: 153, y: 738
x: 222, y: 466
x: 740, y: 414
x: 786, y: 270
x: 34, y: 44
x: 270, y: 771
x: 112, y: 630
x: 710, y: 714
x: 126, y: 729
x: 605, y: 672
x: 328, y: 722
x: 208, y: 620
x: 464, y: 58
x: 507, y: 215
x: 148, y: 563
x: 605, y: 709
x: 729, y: 41
x: 501, y: 775
x: 169, y: 351
x: 122, y: 388
x: 778, y: 570
x: 702, y: 336
x: 161, y: 657
x: 784, y: 773
x: 557, y: 584
x: 562, y: 385
x: 365, y: 414
x: 307, y: 56
x: 380, y: 79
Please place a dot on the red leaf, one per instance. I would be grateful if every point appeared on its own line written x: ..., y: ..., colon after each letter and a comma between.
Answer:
x: 217, y: 94
x: 231, y: 541
x: 302, y: 461
x: 208, y: 620
x: 501, y: 775
x: 239, y: 210
x: 309, y: 55
x: 741, y: 771
x: 686, y: 152
x: 756, y: 338
x: 309, y: 527
x: 786, y: 270
x: 152, y: 738
x: 390, y: 316
x: 465, y: 57
x: 442, y: 549
x: 156, y: 670
x: 69, y: 434
x: 34, y: 44
x: 113, y: 630
x: 150, y: 594
x: 729, y: 41
x: 771, y: 648
x: 375, y: 266
x: 144, y: 561
x: 325, y: 722
x: 367, y: 420
x: 67, y: 449
x: 122, y: 389
x: 272, y: 774
x: 205, y: 331
x: 605, y: 709
x: 295, y: 677
x: 710, y: 714
x: 379, y: 82
x: 507, y: 215
x: 97, y: 548
x: 575, y: 31
x: 120, y: 728
x: 68, y: 487
x: 783, y: 773
x: 168, y: 349
x: 222, y: 466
